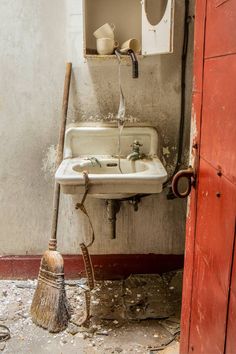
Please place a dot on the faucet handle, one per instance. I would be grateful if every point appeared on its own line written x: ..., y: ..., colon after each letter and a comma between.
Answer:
x: 136, y: 143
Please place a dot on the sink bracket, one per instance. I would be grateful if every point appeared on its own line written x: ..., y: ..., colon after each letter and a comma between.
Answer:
x: 135, y: 202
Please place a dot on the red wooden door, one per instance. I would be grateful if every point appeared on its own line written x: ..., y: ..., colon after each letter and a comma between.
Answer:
x: 209, y: 291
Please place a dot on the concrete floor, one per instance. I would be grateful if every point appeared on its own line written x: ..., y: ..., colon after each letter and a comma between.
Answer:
x: 137, y: 315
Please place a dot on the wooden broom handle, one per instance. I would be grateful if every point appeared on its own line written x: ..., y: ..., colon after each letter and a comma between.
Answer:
x: 60, y: 148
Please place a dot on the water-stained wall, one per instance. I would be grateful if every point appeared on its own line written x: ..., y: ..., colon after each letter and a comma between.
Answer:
x: 38, y: 37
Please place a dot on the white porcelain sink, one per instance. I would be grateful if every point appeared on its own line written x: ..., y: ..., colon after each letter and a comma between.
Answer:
x: 90, y: 149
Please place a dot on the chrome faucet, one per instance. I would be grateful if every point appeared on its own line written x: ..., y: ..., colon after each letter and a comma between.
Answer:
x: 135, y: 154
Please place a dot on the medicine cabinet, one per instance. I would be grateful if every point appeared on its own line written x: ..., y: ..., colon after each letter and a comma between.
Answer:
x: 149, y: 21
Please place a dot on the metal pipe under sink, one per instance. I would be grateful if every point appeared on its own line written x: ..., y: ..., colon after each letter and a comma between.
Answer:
x: 113, y: 207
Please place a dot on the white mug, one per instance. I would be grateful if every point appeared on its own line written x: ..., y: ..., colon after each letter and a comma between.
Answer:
x: 105, y: 31
x: 106, y: 46
x: 131, y: 43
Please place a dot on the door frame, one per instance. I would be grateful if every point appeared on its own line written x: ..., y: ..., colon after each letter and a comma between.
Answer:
x: 196, y: 115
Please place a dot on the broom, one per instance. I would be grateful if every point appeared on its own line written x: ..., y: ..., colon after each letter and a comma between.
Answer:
x: 49, y: 308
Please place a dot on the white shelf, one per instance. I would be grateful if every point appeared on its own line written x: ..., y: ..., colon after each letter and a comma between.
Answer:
x: 132, y: 20
x: 108, y: 57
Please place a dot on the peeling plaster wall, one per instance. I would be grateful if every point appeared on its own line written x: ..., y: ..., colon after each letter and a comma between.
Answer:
x: 38, y: 37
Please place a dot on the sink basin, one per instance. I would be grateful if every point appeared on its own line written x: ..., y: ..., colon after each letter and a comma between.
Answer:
x: 109, y: 177
x: 106, y: 166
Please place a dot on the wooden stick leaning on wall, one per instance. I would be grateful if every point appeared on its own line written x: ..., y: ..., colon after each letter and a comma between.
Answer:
x: 49, y: 308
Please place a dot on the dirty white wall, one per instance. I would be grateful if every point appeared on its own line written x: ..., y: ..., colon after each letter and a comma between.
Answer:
x: 37, y: 38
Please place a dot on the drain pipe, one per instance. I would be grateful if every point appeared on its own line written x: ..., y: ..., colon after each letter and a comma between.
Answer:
x: 113, y: 207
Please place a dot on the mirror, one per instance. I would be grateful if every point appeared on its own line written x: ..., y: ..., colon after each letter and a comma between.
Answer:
x: 155, y: 10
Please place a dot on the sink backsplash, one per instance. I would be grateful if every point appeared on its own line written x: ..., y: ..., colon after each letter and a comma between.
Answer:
x: 90, y: 141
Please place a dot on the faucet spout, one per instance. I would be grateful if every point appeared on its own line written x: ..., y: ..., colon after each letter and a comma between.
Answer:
x: 133, y: 156
x: 134, y: 59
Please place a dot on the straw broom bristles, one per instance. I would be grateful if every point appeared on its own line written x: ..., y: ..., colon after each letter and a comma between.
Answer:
x: 50, y: 308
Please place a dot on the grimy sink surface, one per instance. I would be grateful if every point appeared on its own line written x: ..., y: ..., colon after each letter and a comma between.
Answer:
x: 110, y: 166
x: 91, y: 150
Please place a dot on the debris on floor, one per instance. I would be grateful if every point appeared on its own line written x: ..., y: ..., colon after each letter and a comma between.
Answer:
x: 138, y: 315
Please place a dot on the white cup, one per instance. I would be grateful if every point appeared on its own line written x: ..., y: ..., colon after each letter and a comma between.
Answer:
x: 106, y: 46
x: 105, y: 31
x: 131, y: 43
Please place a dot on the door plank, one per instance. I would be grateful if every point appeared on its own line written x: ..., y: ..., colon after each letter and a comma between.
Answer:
x: 212, y: 261
x: 218, y: 134
x: 220, y: 28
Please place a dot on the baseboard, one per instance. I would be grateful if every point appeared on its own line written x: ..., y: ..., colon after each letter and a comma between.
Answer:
x: 110, y: 266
